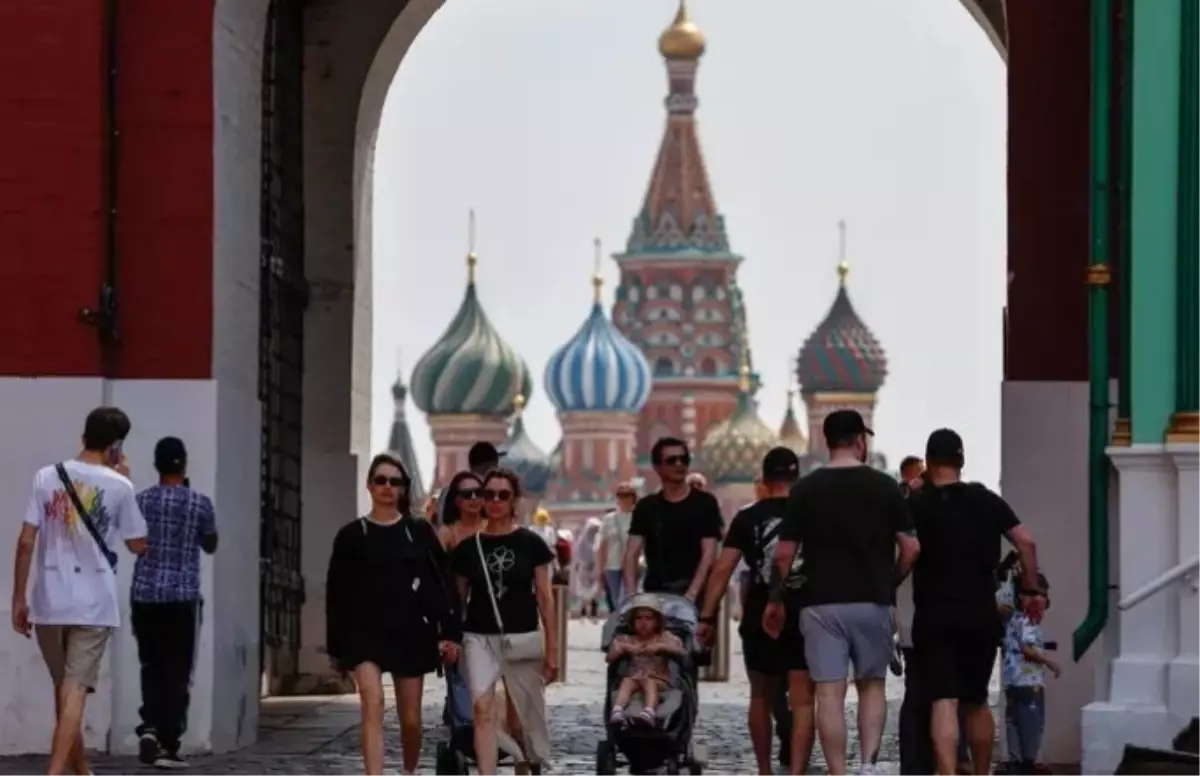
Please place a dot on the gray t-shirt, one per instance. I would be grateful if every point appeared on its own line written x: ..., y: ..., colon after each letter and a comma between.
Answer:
x: 614, y: 532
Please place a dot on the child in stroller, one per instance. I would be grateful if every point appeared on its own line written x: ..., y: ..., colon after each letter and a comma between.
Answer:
x: 646, y: 668
x: 655, y: 730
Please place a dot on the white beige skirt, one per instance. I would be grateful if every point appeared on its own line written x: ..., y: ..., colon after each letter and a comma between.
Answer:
x: 485, y: 665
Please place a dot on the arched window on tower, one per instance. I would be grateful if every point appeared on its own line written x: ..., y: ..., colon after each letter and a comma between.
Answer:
x: 664, y: 367
x: 708, y: 367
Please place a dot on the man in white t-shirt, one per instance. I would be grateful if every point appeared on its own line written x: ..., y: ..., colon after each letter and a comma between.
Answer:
x: 614, y: 537
x: 74, y: 606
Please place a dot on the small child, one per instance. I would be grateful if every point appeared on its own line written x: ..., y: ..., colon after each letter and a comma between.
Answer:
x: 648, y: 650
x: 1025, y: 665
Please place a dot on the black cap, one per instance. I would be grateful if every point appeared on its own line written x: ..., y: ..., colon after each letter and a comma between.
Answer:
x: 482, y: 453
x: 170, y: 454
x: 780, y: 464
x: 944, y: 446
x: 843, y: 424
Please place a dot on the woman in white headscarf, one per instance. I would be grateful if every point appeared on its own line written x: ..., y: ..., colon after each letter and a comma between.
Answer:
x: 584, y: 568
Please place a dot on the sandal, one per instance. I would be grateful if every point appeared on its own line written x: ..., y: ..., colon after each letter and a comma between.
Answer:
x: 648, y: 716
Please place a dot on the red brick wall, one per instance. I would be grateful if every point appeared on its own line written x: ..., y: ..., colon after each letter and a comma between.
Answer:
x: 1048, y: 123
x: 53, y: 198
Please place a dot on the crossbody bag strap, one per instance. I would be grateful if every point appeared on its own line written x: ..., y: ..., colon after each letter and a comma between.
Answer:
x: 84, y: 517
x: 488, y: 579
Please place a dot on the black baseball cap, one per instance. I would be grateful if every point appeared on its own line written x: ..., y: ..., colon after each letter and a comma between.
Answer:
x: 843, y: 424
x: 944, y: 446
x: 170, y: 454
x: 481, y: 453
x: 780, y: 464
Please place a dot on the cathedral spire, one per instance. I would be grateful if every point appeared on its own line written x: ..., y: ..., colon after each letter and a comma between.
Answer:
x: 679, y: 213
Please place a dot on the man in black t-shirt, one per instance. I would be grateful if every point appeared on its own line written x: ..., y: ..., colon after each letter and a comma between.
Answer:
x: 850, y: 519
x: 677, y: 527
x: 956, y: 625
x: 773, y: 665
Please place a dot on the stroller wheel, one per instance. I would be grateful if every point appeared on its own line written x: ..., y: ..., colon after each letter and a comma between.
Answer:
x: 445, y: 760
x: 695, y: 768
x: 606, y: 758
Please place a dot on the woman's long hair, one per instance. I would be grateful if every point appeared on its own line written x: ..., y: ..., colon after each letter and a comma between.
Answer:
x: 514, y: 480
x: 451, y: 514
x: 404, y: 501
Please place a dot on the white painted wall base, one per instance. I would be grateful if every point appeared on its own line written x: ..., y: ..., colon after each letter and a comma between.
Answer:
x: 42, y: 424
x: 1043, y: 476
x: 1153, y: 682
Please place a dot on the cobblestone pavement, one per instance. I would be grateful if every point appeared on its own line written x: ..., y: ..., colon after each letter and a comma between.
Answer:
x: 319, y: 735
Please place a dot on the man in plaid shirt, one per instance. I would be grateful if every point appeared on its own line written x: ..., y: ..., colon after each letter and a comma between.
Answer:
x: 166, y: 601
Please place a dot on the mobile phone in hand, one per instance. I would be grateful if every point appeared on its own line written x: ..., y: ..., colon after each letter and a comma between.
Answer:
x: 115, y: 453
x: 1051, y: 646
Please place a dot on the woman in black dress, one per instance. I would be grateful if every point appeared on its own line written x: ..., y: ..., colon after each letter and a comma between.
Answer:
x: 504, y: 574
x: 388, y: 609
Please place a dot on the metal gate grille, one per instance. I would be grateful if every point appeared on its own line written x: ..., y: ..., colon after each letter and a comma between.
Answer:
x: 283, y: 298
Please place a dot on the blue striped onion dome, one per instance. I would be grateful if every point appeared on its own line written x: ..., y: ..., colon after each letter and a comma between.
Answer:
x: 841, y: 355
x: 733, y: 451
x: 598, y: 370
x: 523, y: 456
x: 470, y: 370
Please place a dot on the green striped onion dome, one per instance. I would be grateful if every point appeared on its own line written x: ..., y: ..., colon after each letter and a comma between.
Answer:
x: 470, y: 370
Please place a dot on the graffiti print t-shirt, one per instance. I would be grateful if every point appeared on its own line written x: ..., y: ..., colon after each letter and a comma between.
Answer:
x: 75, y: 585
x: 754, y: 532
x: 510, y: 562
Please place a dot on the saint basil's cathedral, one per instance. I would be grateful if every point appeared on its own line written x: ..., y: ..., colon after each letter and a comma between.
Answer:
x: 673, y: 359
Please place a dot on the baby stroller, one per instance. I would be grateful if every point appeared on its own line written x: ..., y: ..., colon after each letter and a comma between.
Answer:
x: 457, y: 752
x: 668, y: 743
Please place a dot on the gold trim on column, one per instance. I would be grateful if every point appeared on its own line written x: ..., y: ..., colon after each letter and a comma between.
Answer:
x: 1122, y: 434
x: 1098, y: 275
x: 1184, y: 429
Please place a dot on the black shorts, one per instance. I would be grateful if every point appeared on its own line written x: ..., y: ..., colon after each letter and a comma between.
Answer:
x: 765, y: 655
x: 954, y: 656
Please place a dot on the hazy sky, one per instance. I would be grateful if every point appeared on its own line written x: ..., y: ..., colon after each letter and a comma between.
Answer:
x: 545, y: 117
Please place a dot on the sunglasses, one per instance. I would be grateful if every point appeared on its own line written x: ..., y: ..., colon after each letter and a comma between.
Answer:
x: 395, y: 482
x: 677, y: 460
x: 470, y: 494
x: 497, y: 495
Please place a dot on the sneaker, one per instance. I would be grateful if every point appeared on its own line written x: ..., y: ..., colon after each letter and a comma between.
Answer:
x: 869, y: 769
x: 897, y: 664
x: 618, y: 716
x: 170, y: 762
x: 648, y: 716
x: 148, y: 747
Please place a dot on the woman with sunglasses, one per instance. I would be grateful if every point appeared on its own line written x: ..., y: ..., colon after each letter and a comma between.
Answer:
x: 462, y: 514
x: 388, y: 609
x: 503, y: 573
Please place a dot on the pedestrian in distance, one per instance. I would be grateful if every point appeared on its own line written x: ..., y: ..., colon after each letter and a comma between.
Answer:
x: 166, y: 601
x: 854, y: 528
x: 614, y: 539
x: 956, y: 625
x: 77, y: 511
x: 389, y: 609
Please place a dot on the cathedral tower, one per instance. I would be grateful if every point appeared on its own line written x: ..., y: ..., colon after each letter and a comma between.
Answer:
x: 400, y: 441
x: 467, y: 382
x: 598, y: 381
x: 842, y: 365
x: 678, y: 299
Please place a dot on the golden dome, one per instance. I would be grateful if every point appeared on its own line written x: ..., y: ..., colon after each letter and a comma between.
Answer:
x: 683, y: 39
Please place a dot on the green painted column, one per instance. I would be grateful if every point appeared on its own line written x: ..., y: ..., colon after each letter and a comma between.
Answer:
x: 1154, y: 186
x: 1184, y: 425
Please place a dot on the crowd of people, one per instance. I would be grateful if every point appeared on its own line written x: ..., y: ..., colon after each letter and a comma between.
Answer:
x: 842, y: 575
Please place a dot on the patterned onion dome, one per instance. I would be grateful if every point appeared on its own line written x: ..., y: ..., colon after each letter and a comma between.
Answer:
x: 791, y: 435
x: 733, y: 450
x: 523, y: 456
x: 470, y: 370
x: 841, y: 355
x: 598, y: 370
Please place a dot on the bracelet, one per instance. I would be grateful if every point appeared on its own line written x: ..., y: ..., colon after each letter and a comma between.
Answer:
x: 709, y: 620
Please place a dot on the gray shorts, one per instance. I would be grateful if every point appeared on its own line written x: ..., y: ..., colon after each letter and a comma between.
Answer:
x: 836, y: 635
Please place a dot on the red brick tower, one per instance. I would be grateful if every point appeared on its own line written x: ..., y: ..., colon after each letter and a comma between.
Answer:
x: 678, y: 298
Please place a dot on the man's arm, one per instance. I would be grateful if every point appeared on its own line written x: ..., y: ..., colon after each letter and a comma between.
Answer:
x: 708, y: 554
x: 21, y: 565
x: 633, y: 553
x: 208, y: 527
x: 781, y: 566
x: 718, y: 581
x: 909, y: 549
x: 1020, y: 538
x: 132, y: 524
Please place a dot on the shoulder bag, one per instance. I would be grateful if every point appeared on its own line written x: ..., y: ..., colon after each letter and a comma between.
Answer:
x: 84, y: 517
x: 517, y: 647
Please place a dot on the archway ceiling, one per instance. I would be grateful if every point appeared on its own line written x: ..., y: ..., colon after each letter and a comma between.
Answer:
x: 992, y: 16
